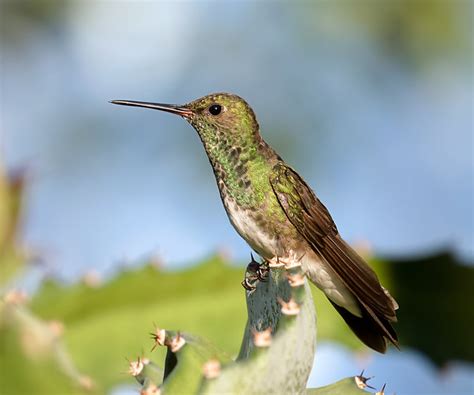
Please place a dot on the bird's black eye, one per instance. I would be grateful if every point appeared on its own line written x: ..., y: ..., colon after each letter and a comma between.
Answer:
x: 215, y: 109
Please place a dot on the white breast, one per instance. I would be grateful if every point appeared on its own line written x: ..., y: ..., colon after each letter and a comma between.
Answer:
x: 260, y: 241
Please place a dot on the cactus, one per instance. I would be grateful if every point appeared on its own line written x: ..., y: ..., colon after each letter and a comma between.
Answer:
x: 348, y: 386
x: 281, y: 329
x: 36, y: 345
x: 276, y: 354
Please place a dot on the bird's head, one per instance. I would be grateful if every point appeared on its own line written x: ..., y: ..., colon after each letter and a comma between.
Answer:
x: 219, y: 116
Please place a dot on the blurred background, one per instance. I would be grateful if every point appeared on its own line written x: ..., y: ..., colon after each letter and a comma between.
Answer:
x: 370, y: 100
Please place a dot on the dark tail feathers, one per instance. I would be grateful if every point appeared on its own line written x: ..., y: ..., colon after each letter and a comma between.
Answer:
x: 372, y: 331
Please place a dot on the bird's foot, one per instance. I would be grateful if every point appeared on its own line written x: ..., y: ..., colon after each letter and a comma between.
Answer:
x: 255, y: 272
x: 263, y: 271
x: 253, y: 267
x: 249, y: 284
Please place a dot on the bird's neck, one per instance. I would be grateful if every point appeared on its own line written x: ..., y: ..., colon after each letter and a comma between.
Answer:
x: 241, y: 165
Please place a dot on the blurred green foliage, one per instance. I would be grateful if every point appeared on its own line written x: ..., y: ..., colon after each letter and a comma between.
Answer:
x: 117, y: 316
x: 32, y: 355
x: 415, y: 31
x: 24, y: 15
x: 418, y: 31
x: 11, y: 256
x: 436, y: 296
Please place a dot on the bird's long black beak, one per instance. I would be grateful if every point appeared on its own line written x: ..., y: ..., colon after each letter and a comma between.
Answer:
x: 172, y: 108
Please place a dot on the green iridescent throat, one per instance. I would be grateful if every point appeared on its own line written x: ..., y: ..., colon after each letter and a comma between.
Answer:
x: 241, y: 160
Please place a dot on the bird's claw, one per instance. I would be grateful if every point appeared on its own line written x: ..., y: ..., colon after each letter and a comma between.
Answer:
x: 255, y: 272
x: 263, y: 271
x: 248, y: 284
x: 253, y: 266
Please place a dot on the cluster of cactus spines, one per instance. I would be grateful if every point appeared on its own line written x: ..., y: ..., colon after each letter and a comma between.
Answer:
x: 211, y: 369
x: 276, y: 354
x: 189, y: 359
x: 147, y: 374
x: 159, y: 337
x: 361, y: 381
x: 262, y: 338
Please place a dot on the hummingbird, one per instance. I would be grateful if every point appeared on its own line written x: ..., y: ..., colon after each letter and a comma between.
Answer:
x: 275, y: 211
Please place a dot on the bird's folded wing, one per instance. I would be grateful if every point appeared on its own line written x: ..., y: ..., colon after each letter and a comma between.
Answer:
x: 313, y: 221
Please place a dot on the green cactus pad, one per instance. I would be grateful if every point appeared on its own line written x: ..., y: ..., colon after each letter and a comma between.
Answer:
x: 347, y: 386
x: 285, y: 365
